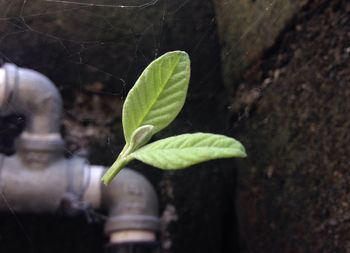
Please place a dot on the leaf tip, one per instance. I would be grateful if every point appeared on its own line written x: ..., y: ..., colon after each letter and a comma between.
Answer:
x: 243, y: 152
x: 179, y: 53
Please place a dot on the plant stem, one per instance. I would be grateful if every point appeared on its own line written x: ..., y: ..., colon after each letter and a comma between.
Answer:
x: 119, y: 164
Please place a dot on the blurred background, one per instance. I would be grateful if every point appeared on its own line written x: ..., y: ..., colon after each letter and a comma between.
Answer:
x: 274, y: 74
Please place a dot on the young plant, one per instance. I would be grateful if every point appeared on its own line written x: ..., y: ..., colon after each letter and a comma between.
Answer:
x: 151, y: 105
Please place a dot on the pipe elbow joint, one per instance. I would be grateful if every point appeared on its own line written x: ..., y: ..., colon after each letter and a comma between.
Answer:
x: 132, y: 203
x: 32, y: 94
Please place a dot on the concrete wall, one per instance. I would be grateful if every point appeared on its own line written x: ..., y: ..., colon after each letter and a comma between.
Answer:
x: 247, y: 28
x: 291, y: 110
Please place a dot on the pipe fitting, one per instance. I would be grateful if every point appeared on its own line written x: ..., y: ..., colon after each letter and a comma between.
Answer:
x: 32, y: 191
x: 39, y: 179
x: 30, y: 93
x: 132, y: 203
x: 73, y: 185
x: 38, y: 151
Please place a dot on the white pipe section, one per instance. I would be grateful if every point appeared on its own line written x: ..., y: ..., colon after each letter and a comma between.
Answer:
x: 2, y: 85
x: 92, y: 193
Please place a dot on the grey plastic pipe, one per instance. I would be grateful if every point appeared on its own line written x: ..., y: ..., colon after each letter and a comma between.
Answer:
x: 39, y: 179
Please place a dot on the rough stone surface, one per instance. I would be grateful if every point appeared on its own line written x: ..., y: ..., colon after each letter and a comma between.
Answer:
x: 246, y: 28
x: 294, y: 119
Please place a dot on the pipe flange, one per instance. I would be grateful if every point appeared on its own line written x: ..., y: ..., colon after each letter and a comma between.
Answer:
x: 130, y: 222
x: 40, y: 142
x: 133, y: 236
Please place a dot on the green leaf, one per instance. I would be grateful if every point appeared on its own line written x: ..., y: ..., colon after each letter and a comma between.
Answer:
x: 158, y: 95
x: 184, y: 150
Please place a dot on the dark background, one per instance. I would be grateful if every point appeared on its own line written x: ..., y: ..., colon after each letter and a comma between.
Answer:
x: 274, y: 74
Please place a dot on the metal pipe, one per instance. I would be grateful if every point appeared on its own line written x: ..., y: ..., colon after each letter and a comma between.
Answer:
x: 39, y: 179
x: 130, y: 199
x: 131, y: 202
x: 25, y: 190
x: 28, y: 92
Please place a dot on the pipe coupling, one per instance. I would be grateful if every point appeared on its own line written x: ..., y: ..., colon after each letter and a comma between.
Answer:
x: 131, y: 222
x: 132, y: 203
